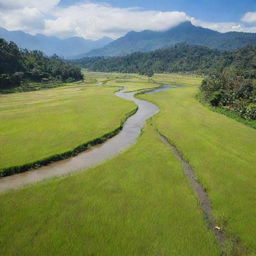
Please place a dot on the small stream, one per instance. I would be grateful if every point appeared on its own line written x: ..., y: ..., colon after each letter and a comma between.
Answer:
x: 112, y: 147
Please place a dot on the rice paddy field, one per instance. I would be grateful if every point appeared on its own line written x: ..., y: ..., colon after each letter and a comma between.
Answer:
x: 140, y: 202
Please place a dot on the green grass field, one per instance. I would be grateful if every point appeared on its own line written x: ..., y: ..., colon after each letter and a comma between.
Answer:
x: 178, y: 79
x: 132, y: 82
x: 222, y: 152
x: 139, y: 203
x: 36, y: 125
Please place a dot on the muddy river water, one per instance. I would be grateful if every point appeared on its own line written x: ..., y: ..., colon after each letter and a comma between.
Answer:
x: 127, y: 136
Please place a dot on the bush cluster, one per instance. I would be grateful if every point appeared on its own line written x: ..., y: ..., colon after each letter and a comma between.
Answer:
x: 232, y: 92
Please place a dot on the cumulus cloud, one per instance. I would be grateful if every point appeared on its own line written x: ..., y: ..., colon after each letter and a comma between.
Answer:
x: 223, y: 26
x: 26, y: 19
x: 26, y: 15
x: 95, y: 20
x: 44, y: 5
x: 249, y: 17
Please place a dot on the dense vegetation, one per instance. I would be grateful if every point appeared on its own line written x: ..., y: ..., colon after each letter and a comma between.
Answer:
x: 180, y: 58
x: 231, y: 92
x: 18, y: 66
x: 233, y: 87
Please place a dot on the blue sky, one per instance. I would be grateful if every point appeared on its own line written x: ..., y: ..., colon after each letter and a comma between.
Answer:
x: 207, y: 10
x: 94, y: 19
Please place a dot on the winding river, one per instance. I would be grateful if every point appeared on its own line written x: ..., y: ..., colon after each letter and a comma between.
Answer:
x: 127, y: 136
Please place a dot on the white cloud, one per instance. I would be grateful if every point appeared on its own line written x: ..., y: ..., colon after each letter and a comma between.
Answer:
x: 223, y: 26
x: 26, y: 15
x: 93, y: 21
x: 26, y: 19
x: 41, y: 5
x: 249, y: 17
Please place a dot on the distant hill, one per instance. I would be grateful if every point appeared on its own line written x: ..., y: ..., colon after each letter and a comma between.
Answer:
x: 179, y: 58
x: 68, y: 48
x: 183, y: 33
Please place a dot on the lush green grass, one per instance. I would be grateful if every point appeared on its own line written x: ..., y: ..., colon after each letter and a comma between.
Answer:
x: 139, y: 203
x: 33, y: 86
x: 233, y: 114
x: 132, y: 82
x: 178, y: 79
x: 36, y: 125
x: 222, y: 152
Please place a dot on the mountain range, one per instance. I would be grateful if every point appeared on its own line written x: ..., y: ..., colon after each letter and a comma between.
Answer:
x: 68, y: 48
x: 183, y: 33
x: 144, y: 41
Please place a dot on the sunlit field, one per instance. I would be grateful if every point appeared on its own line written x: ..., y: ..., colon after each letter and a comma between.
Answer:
x: 139, y: 203
x: 36, y: 125
x: 222, y: 152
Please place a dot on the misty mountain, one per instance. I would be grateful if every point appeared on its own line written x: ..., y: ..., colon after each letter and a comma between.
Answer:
x: 70, y: 47
x: 183, y: 33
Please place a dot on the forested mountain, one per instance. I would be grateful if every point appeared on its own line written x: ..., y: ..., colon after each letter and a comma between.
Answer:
x: 184, y: 33
x: 179, y: 58
x: 70, y: 47
x: 230, y: 83
x: 18, y: 66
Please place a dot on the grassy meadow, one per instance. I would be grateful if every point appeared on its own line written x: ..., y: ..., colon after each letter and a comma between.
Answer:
x: 222, y: 152
x: 139, y: 203
x: 36, y: 125
x: 178, y: 79
x: 132, y: 82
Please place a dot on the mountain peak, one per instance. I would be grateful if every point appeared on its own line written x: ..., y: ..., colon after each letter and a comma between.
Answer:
x: 186, y: 24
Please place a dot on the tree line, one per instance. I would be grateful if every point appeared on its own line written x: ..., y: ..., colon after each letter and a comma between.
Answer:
x: 230, y: 74
x: 18, y: 66
x: 180, y: 58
